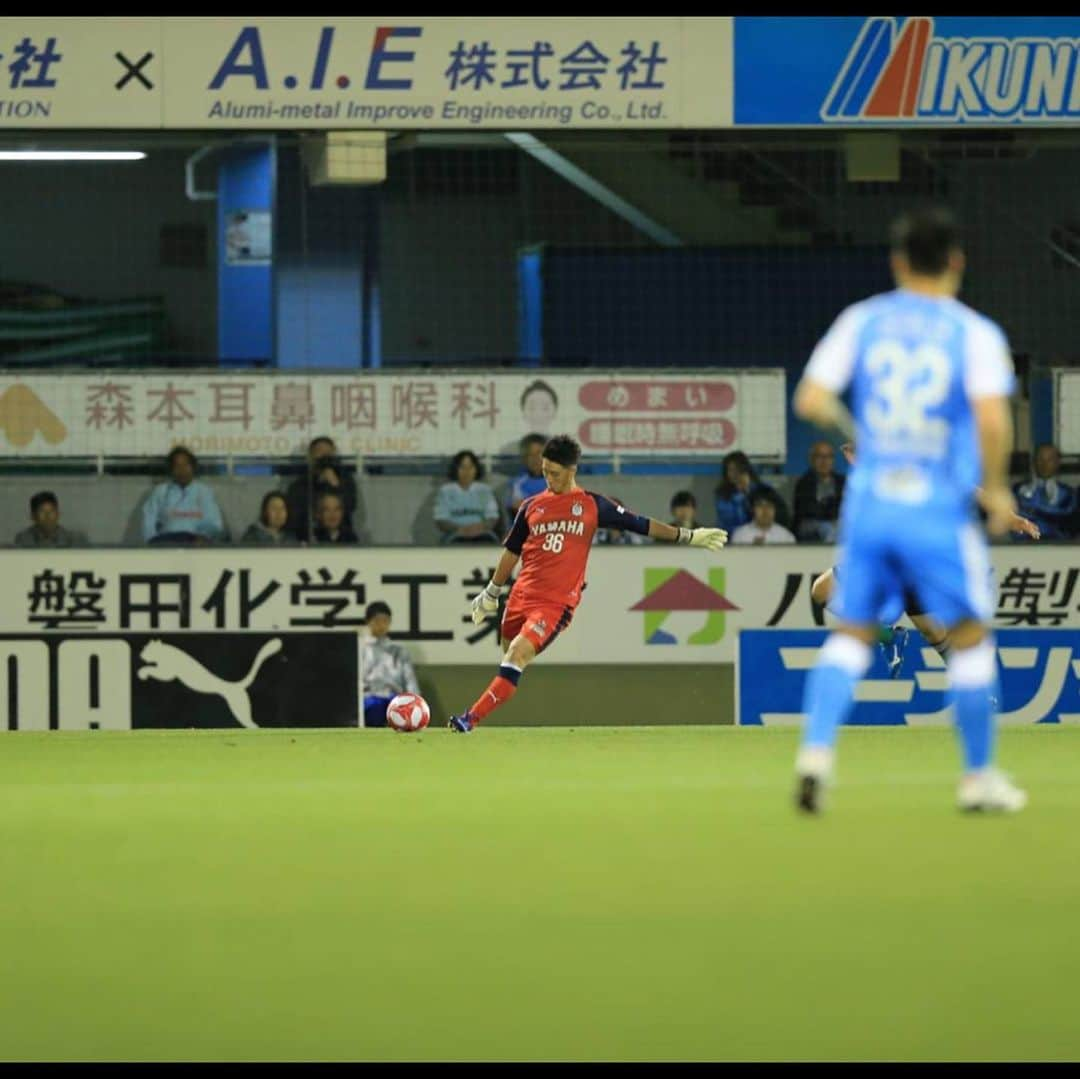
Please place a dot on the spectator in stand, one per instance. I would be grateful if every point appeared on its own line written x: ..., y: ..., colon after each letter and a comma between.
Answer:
x: 271, y: 529
x: 763, y: 527
x: 735, y: 494
x: 46, y: 531
x: 817, y: 497
x: 182, y: 510
x: 331, y: 525
x: 1045, y: 499
x: 530, y: 481
x: 684, y: 510
x: 325, y: 475
x: 388, y: 670
x: 465, y: 508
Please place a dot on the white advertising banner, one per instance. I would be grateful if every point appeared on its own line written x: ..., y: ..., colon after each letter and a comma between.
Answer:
x: 652, y: 604
x: 88, y: 72
x: 252, y: 414
x: 1067, y: 410
x: 397, y: 72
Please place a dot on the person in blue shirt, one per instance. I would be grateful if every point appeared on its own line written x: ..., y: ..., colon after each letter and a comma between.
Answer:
x: 930, y: 382
x: 465, y: 508
x: 1049, y: 502
x: 735, y: 494
x: 182, y: 510
x: 530, y: 481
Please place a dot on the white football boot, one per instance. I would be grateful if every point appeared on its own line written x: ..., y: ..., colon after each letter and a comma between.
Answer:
x: 989, y: 790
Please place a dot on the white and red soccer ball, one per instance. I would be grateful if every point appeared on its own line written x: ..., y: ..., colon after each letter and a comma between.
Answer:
x: 408, y: 712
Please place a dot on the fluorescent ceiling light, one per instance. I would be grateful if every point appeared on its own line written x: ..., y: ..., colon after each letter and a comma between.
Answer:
x: 71, y: 155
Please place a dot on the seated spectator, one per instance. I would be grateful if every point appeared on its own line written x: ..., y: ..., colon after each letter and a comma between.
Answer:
x: 735, y: 494
x: 612, y: 536
x: 763, y: 528
x: 46, y: 531
x: 182, y: 510
x: 817, y: 497
x: 465, y: 509
x: 271, y: 529
x: 388, y: 670
x: 325, y: 474
x: 684, y: 510
x: 330, y: 523
x: 531, y: 480
x: 1045, y: 499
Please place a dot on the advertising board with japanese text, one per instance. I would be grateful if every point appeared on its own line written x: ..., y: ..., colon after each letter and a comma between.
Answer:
x: 254, y: 414
x: 656, y: 603
x: 398, y: 73
x: 1038, y: 680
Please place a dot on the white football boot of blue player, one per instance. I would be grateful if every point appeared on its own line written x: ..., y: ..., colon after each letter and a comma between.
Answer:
x: 989, y: 790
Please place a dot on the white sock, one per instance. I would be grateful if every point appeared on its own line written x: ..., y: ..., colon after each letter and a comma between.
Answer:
x: 816, y: 761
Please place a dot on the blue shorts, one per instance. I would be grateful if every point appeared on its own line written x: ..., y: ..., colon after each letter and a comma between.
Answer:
x: 895, y: 609
x: 892, y: 556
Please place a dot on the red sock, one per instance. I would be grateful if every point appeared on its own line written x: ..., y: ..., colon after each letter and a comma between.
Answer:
x: 502, y: 687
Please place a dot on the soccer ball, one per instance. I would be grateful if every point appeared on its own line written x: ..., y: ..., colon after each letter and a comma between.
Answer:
x: 408, y: 712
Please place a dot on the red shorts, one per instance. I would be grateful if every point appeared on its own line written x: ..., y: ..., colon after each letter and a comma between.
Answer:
x: 540, y: 622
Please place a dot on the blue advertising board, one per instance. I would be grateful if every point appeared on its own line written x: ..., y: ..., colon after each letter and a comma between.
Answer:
x: 1038, y: 669
x: 892, y: 70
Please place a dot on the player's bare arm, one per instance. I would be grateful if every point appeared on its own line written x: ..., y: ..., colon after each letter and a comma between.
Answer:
x: 993, y: 420
x: 819, y: 405
x: 1016, y: 522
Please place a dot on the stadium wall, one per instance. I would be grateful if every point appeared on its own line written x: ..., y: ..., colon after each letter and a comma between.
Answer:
x: 472, y: 211
x: 94, y: 231
x: 591, y: 695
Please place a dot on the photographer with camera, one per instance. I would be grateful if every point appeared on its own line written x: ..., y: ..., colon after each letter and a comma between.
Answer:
x: 324, y: 475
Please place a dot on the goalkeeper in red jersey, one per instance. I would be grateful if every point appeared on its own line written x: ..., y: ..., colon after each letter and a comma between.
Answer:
x: 552, y: 535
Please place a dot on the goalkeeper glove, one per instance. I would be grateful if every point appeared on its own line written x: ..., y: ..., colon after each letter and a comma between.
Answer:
x: 487, y: 602
x: 711, y: 539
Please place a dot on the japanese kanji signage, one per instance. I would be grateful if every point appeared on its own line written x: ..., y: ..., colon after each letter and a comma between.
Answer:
x: 88, y: 72
x: 253, y: 414
x: 650, y: 604
x: 509, y: 73
x: 1038, y: 680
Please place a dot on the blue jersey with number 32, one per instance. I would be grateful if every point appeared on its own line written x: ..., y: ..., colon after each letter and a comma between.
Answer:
x: 915, y: 365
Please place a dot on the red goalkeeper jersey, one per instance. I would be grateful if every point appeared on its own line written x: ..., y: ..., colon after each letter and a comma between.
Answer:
x: 554, y: 533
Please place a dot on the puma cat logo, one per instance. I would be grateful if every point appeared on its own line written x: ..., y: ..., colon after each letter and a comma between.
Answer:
x: 165, y: 663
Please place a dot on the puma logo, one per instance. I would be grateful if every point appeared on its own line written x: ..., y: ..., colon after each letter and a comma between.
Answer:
x: 165, y: 663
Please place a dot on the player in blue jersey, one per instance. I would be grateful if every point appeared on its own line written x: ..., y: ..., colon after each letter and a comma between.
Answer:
x: 930, y: 381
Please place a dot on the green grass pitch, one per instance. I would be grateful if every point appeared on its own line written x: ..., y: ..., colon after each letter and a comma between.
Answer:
x: 602, y: 893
